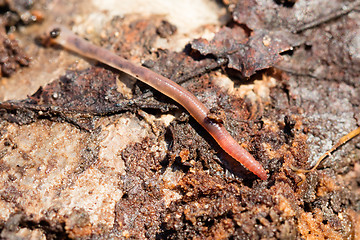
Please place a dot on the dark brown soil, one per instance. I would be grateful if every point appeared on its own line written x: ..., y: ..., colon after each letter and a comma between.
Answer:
x: 293, y: 92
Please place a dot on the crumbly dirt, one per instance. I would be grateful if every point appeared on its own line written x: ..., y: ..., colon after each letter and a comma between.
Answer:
x: 87, y: 152
x: 13, y: 14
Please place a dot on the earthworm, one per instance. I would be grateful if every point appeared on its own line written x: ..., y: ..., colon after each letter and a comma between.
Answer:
x: 64, y: 37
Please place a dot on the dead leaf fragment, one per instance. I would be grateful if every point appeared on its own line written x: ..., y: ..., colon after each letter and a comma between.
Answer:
x: 247, y: 55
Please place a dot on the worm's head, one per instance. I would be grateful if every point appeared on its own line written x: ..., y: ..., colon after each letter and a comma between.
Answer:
x: 55, y: 32
x: 49, y: 37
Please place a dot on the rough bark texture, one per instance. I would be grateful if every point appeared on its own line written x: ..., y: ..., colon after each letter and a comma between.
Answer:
x: 88, y: 152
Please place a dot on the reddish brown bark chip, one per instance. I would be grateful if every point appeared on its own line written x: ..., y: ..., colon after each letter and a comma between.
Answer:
x: 272, y: 24
x: 269, y: 14
x: 259, y: 51
x: 78, y: 96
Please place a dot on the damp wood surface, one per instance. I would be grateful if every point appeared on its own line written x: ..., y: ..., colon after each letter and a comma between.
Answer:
x: 88, y: 152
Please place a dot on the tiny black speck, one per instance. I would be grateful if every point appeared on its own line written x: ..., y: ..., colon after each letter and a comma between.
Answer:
x: 55, y: 33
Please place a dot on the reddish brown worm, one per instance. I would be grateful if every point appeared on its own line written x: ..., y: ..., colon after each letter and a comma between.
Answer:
x: 68, y: 40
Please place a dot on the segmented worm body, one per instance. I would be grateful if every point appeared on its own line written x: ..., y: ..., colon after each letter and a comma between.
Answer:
x: 67, y: 39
